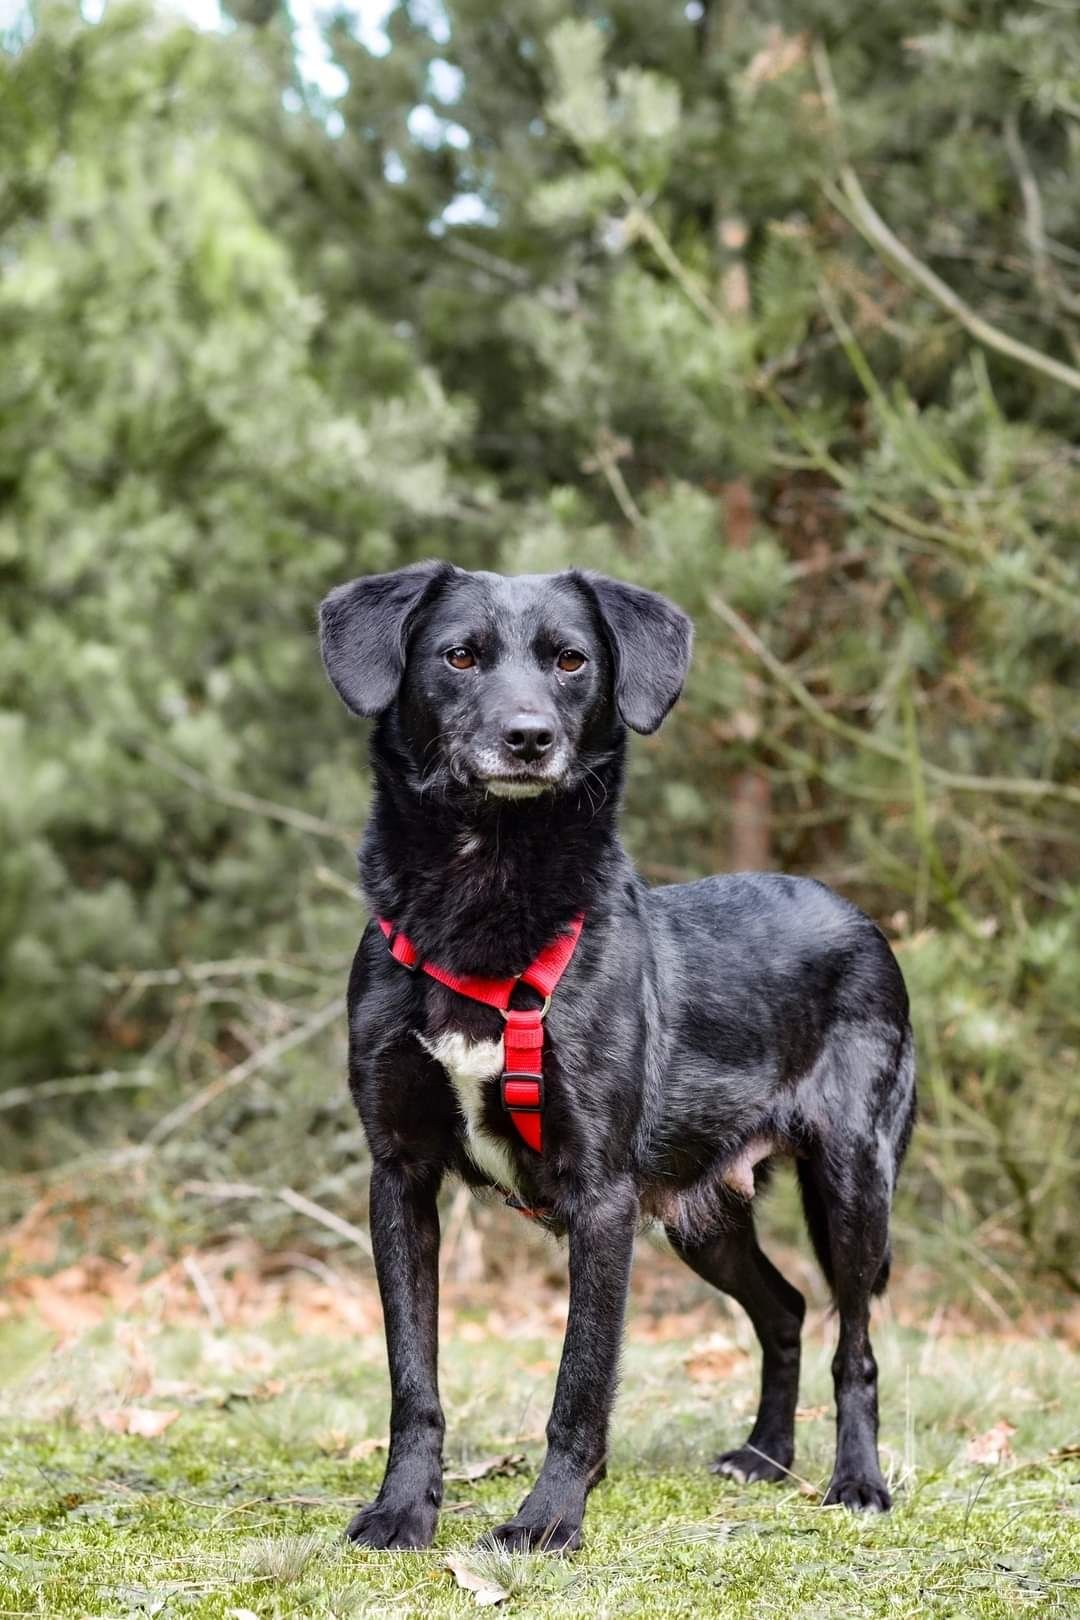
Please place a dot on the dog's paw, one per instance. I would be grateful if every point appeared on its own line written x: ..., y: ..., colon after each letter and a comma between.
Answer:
x: 860, y: 1493
x: 408, y: 1525
x: 750, y: 1467
x: 522, y: 1535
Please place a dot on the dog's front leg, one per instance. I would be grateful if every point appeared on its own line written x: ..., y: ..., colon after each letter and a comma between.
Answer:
x: 405, y: 1240
x: 601, y: 1236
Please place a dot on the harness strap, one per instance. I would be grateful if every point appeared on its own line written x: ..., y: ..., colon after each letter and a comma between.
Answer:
x: 522, y: 1082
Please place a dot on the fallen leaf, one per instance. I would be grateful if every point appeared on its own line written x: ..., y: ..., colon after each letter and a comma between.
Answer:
x: 486, y: 1591
x: 716, y: 1358
x: 992, y: 1447
x: 780, y: 53
x: 365, y: 1448
x: 332, y: 1442
x: 490, y: 1467
x: 145, y: 1421
x: 178, y: 1389
x: 808, y: 1414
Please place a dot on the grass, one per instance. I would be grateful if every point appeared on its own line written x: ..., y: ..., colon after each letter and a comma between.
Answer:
x: 236, y: 1509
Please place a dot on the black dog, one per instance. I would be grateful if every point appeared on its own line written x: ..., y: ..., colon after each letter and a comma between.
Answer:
x: 698, y: 1029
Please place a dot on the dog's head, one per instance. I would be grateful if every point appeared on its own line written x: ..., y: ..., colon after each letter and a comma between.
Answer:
x: 508, y: 686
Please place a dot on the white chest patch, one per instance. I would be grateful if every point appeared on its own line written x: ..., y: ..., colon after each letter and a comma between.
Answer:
x: 468, y: 1065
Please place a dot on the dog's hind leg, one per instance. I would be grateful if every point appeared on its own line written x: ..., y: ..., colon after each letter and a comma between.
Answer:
x: 854, y: 1199
x: 731, y: 1261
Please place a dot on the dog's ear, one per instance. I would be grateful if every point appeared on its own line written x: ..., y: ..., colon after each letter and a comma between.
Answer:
x: 650, y: 640
x: 363, y: 630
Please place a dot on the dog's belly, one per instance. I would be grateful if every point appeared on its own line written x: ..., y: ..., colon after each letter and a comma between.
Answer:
x: 469, y: 1065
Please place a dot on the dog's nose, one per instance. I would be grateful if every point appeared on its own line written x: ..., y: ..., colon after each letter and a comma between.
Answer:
x: 527, y: 736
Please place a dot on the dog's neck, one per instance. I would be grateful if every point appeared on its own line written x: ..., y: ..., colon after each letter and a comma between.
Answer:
x: 482, y: 885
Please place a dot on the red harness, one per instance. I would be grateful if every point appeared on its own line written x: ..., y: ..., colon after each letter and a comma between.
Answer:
x: 522, y: 1084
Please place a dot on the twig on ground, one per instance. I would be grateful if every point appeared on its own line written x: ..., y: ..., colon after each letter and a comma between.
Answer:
x: 201, y: 1284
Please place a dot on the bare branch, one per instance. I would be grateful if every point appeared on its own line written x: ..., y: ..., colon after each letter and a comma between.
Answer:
x: 238, y: 800
x: 78, y: 1085
x: 262, y: 1059
x: 287, y: 1195
x: 234, y: 967
x: 1034, y: 224
x: 605, y: 459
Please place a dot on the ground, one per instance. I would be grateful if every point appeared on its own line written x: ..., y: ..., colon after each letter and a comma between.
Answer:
x: 203, y: 1461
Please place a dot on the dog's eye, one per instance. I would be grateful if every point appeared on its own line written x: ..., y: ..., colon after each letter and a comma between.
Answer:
x: 570, y: 660
x: 460, y: 657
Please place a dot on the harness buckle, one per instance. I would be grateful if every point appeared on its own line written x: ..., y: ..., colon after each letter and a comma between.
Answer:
x: 541, y: 1011
x: 404, y: 952
x: 522, y: 1093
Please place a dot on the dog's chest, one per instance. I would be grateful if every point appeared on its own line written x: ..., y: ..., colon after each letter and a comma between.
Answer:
x: 469, y: 1065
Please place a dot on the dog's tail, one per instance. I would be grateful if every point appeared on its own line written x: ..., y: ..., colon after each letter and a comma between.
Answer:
x: 813, y: 1199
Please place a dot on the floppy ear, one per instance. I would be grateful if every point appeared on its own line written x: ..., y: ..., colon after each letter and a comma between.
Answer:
x: 363, y: 628
x: 650, y: 640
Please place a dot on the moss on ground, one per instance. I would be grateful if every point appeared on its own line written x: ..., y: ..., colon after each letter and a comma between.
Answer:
x: 237, y: 1508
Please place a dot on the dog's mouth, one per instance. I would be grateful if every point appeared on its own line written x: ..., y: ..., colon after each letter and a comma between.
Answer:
x: 490, y: 772
x: 517, y: 787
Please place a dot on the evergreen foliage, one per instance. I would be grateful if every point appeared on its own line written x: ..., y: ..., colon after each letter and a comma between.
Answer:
x: 617, y: 295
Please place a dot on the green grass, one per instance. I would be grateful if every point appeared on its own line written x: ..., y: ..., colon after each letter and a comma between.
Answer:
x: 238, y: 1507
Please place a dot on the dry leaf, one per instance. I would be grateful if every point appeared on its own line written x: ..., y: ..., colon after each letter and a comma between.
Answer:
x: 365, y: 1448
x: 993, y: 1446
x: 332, y: 1442
x: 808, y: 1414
x: 486, y: 1591
x: 716, y: 1358
x: 145, y: 1421
x: 780, y: 53
x: 490, y: 1467
x: 178, y: 1389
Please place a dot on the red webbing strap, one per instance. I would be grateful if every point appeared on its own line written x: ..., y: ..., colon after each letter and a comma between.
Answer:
x: 523, y: 1037
x: 548, y: 968
x: 401, y: 949
x: 523, y: 1073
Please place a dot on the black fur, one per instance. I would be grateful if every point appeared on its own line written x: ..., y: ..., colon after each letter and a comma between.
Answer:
x: 697, y: 1026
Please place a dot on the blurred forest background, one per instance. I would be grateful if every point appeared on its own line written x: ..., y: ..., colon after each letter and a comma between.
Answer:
x: 774, y: 308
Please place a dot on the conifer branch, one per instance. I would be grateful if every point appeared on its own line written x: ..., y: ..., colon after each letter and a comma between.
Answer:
x: 959, y: 782
x: 856, y: 206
